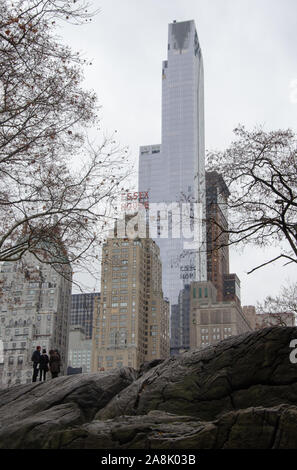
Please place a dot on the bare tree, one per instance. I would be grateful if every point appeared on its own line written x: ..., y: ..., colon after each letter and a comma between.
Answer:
x: 57, y: 188
x: 260, y: 170
x: 285, y: 302
x: 280, y: 310
x: 264, y: 320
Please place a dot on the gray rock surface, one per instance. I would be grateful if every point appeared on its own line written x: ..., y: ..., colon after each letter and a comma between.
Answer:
x: 241, y: 372
x: 30, y: 413
x: 261, y: 428
x: 240, y: 393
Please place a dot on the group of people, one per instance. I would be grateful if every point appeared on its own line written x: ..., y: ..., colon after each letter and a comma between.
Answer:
x: 43, y: 364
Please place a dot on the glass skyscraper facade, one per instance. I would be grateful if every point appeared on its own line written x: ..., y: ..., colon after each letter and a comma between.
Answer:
x: 174, y: 171
x: 82, y: 311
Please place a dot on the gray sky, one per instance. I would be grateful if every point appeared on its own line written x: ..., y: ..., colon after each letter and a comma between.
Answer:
x: 249, y: 51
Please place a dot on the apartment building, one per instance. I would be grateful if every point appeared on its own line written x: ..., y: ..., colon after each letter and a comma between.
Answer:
x: 34, y: 311
x: 212, y: 320
x: 132, y: 324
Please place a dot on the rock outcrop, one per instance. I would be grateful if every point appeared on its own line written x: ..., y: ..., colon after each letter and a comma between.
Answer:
x: 240, y: 393
x: 29, y: 414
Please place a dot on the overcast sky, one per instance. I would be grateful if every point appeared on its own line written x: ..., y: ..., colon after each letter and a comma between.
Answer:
x: 249, y: 51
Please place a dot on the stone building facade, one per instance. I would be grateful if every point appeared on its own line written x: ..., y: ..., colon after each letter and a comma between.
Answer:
x: 34, y: 311
x: 212, y: 321
x: 132, y: 324
x: 217, y: 195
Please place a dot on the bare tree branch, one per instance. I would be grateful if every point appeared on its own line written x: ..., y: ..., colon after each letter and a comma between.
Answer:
x: 260, y: 170
x: 57, y: 189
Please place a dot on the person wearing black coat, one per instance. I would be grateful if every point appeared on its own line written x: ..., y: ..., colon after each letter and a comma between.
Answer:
x: 54, y: 363
x: 35, y: 359
x: 43, y: 365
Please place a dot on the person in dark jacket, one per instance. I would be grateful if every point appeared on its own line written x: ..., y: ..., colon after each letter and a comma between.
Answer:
x: 35, y: 359
x: 57, y: 352
x: 54, y: 363
x: 43, y: 365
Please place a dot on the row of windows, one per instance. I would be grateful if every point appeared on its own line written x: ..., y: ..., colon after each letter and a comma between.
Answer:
x: 214, y: 337
x: 80, y: 353
x: 19, y: 360
x: 20, y: 345
x: 200, y: 292
x: 215, y: 329
x: 17, y: 331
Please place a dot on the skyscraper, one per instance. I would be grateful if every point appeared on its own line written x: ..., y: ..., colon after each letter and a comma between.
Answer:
x: 132, y: 324
x: 173, y: 172
x: 217, y: 195
x: 223, y: 287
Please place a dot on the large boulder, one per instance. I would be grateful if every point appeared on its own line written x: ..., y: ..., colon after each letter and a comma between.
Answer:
x: 240, y: 393
x: 243, y: 371
x: 30, y: 413
x: 261, y: 428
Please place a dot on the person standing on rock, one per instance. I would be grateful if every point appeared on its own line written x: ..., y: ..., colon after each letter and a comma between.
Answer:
x: 43, y: 365
x: 54, y: 363
x: 56, y: 351
x: 35, y: 359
